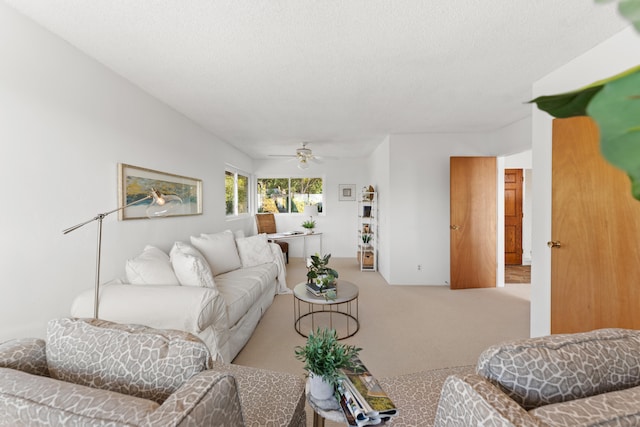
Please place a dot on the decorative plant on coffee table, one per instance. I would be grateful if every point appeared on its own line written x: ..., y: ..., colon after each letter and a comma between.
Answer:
x: 323, y: 276
x: 323, y: 358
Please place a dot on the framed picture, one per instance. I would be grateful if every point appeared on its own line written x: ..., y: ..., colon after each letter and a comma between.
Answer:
x: 135, y: 183
x: 346, y: 192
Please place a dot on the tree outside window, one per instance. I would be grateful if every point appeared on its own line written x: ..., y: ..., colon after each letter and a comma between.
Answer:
x: 288, y: 195
x: 236, y: 188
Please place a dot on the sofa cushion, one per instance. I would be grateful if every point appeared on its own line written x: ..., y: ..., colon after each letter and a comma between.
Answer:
x: 219, y: 250
x: 151, y: 267
x: 130, y: 359
x: 254, y: 250
x: 27, y: 399
x: 557, y: 368
x: 616, y: 408
x: 242, y: 288
x: 190, y: 266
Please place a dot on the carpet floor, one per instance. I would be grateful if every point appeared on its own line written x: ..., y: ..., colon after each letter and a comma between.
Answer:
x: 403, y: 329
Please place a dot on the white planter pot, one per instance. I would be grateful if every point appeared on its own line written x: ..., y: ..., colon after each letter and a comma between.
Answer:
x: 319, y: 388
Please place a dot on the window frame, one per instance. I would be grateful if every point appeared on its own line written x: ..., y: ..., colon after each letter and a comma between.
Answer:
x: 289, y: 197
x: 229, y: 169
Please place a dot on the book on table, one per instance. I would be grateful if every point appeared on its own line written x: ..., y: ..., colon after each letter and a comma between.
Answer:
x: 316, y: 290
x: 363, y: 400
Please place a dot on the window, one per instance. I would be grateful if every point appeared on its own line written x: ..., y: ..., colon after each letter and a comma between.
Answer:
x: 289, y: 195
x: 236, y: 186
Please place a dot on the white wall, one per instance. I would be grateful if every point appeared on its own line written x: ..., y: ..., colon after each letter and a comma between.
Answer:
x: 67, y: 122
x: 338, y: 222
x: 380, y: 178
x: 418, y: 204
x: 615, y: 55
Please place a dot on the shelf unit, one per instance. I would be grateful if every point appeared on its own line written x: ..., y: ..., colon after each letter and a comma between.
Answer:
x: 367, y: 255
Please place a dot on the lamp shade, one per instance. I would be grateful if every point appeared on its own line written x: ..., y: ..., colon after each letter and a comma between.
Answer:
x: 311, y: 210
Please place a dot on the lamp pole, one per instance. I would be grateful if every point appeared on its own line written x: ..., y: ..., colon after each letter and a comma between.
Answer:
x: 96, y: 302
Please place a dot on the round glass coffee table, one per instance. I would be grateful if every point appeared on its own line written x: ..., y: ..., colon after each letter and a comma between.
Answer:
x: 340, y: 313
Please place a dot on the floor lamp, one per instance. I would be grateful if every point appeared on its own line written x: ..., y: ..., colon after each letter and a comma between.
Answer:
x: 161, y: 205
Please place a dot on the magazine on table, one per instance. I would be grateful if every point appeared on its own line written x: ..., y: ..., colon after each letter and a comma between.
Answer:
x: 362, y: 398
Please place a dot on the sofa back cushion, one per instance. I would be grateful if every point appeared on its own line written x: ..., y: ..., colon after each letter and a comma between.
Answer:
x: 129, y: 359
x: 557, y: 368
x: 220, y: 251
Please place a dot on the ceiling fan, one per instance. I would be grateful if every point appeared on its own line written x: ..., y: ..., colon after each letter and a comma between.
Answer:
x: 304, y: 155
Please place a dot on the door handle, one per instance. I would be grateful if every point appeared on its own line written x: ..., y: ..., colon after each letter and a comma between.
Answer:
x: 454, y: 227
x: 554, y: 244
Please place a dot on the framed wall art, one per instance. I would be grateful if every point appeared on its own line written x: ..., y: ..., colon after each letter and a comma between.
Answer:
x: 135, y: 183
x: 347, y: 192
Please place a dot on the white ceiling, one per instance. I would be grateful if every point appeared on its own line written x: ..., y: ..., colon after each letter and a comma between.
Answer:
x: 265, y: 75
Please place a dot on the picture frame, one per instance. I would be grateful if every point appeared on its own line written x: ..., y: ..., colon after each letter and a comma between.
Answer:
x: 346, y: 192
x: 136, y: 182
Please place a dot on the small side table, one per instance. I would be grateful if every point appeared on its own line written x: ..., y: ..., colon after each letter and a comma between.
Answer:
x: 345, y: 305
x: 325, y: 410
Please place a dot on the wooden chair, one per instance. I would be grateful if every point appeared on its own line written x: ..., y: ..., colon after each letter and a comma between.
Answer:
x: 266, y: 223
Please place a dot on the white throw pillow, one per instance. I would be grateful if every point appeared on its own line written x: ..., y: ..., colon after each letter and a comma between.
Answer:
x: 254, y: 250
x: 190, y: 266
x: 219, y: 250
x: 151, y: 267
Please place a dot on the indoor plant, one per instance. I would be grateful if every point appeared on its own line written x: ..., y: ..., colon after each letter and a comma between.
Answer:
x: 323, y: 358
x: 613, y: 104
x: 309, y: 225
x: 319, y: 272
x: 366, y: 239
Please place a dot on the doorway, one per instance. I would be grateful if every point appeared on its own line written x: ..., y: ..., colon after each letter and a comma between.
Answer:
x: 516, y: 169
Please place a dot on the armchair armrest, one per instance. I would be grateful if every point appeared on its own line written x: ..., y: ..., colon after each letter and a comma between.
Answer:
x: 206, y: 399
x: 473, y: 401
x: 26, y: 354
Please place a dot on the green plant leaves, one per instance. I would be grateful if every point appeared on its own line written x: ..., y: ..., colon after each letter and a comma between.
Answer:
x: 630, y: 9
x: 616, y: 110
x: 614, y: 104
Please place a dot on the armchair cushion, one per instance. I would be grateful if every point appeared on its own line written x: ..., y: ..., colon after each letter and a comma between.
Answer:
x: 473, y: 401
x: 129, y: 359
x: 558, y: 368
x: 26, y: 354
x: 37, y: 400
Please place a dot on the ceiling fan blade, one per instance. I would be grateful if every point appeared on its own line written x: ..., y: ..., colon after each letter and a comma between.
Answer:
x: 283, y: 155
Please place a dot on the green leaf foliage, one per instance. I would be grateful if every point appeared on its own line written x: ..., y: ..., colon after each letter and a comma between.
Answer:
x: 616, y: 110
x: 630, y: 9
x: 325, y: 356
x: 614, y: 104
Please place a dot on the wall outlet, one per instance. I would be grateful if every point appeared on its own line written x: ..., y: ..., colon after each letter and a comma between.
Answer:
x: 419, y: 267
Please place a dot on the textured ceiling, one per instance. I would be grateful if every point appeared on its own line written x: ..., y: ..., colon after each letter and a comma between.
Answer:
x: 265, y: 75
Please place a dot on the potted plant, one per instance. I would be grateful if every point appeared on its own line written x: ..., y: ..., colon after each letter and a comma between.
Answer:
x: 323, y: 358
x: 309, y: 225
x: 319, y: 271
x: 366, y: 239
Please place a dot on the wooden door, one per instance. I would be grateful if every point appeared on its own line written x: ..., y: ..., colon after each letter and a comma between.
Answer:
x: 473, y: 222
x: 595, y: 270
x: 513, y: 216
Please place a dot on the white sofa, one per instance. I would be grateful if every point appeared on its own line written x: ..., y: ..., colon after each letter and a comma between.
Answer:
x: 216, y: 287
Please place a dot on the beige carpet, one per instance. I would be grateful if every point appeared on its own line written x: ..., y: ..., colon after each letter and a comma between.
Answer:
x: 403, y: 329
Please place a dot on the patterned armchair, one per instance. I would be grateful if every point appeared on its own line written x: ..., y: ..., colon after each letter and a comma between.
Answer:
x: 93, y: 372
x: 584, y: 379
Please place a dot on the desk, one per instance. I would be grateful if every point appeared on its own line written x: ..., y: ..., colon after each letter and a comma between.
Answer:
x: 286, y: 236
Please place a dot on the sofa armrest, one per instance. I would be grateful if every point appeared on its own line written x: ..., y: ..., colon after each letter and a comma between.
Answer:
x: 207, y: 399
x: 27, y: 355
x: 198, y: 310
x: 473, y: 401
